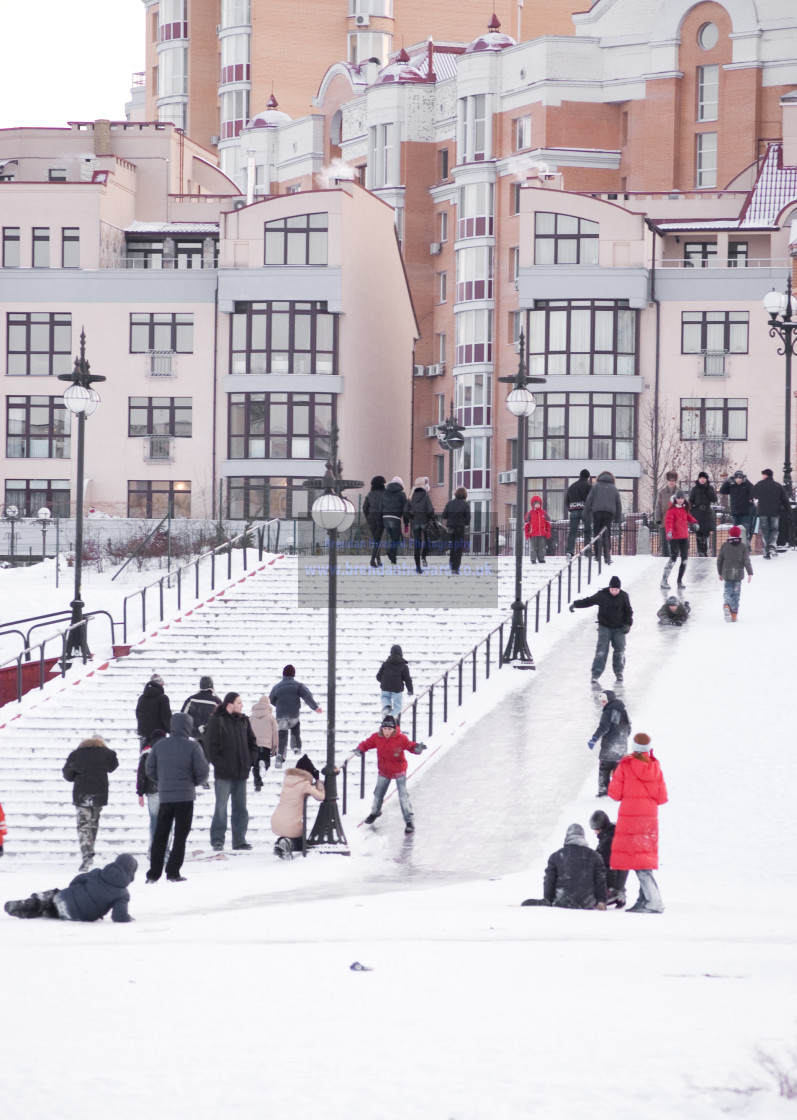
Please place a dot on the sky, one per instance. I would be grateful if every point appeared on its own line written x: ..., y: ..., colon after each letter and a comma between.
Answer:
x: 62, y: 61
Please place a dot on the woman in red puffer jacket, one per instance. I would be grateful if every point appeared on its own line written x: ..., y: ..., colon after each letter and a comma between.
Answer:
x: 638, y: 784
x: 676, y: 525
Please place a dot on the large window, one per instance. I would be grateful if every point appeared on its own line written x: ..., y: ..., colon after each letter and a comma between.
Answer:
x: 473, y: 116
x: 582, y: 426
x: 152, y: 498
x: 235, y: 13
x: 171, y: 20
x: 713, y: 418
x: 708, y: 84
x: 371, y: 8
x: 472, y: 463
x: 383, y: 155
x: 700, y: 254
x: 173, y: 72
x: 235, y: 58
x: 41, y: 247
x: 161, y: 331
x: 714, y: 331
x: 564, y: 239
x: 37, y: 428
x: 522, y: 133
x: 706, y: 159
x: 267, y: 497
x: 474, y: 273
x: 280, y: 425
x: 298, y: 240
x: 159, y: 416
x: 30, y: 494
x: 472, y: 399
x: 11, y: 257
x: 39, y: 343
x: 595, y: 337
x: 283, y: 338
x: 70, y: 247
x: 475, y: 217
x: 368, y: 44
x: 474, y: 337
x: 234, y: 112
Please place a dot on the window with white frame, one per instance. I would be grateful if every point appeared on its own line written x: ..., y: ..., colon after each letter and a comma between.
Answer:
x: 582, y: 426
x: 475, y: 216
x: 382, y: 146
x: 440, y: 347
x: 235, y: 58
x: 234, y: 112
x: 472, y: 463
x: 442, y: 226
x: 474, y: 273
x: 706, y: 159
x: 473, y: 399
x: 514, y: 264
x: 173, y: 113
x: 173, y: 72
x: 714, y: 331
x: 474, y: 337
x: 515, y: 326
x: 708, y: 78
x: 473, y: 117
x: 442, y: 287
x: 439, y: 470
x: 522, y: 133
x: 235, y: 13
x: 578, y: 337
x: 439, y: 408
x: 565, y: 239
x: 368, y: 44
x: 713, y: 418
x: 371, y: 8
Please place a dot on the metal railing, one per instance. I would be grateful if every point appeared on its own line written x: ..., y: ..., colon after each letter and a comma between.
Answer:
x: 63, y: 638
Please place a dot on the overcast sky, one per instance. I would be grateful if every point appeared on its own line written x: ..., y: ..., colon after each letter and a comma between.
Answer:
x: 66, y: 60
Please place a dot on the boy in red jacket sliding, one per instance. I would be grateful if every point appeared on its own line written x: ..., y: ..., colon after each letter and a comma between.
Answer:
x: 390, y: 745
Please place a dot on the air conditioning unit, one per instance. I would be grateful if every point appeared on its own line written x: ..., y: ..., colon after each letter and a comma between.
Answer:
x: 214, y: 141
x: 362, y: 20
x: 505, y: 478
x: 436, y: 248
x: 436, y: 370
x: 432, y: 431
x: 418, y: 371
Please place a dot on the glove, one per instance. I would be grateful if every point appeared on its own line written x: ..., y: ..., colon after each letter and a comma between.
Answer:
x: 591, y: 744
x: 419, y: 747
x: 572, y: 607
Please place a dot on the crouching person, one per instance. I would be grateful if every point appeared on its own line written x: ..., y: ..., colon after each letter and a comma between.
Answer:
x: 575, y: 877
x: 300, y: 781
x: 88, y: 897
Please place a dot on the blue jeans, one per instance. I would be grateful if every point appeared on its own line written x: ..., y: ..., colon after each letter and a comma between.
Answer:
x: 392, y: 703
x: 731, y: 591
x: 576, y: 517
x: 225, y: 789
x: 649, y: 891
x: 769, y: 533
x: 607, y: 637
x: 404, y: 798
x: 746, y: 524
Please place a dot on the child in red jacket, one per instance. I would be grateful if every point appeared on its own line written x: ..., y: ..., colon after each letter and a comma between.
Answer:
x: 3, y: 829
x: 537, y: 530
x: 390, y: 744
x: 676, y: 525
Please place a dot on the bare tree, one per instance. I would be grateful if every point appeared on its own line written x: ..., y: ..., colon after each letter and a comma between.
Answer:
x: 660, y: 447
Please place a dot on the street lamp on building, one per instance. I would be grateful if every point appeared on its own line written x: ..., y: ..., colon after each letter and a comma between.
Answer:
x: 781, y: 309
x: 521, y: 403
x: 82, y: 401
x: 334, y: 514
x: 451, y: 437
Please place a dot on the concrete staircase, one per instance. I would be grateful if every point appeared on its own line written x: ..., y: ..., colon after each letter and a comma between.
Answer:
x: 241, y: 636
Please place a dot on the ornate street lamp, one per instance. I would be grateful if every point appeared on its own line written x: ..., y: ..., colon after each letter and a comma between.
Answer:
x: 44, y: 517
x: 334, y: 514
x: 12, y: 516
x: 781, y: 309
x: 82, y: 401
x: 521, y: 403
x: 451, y: 437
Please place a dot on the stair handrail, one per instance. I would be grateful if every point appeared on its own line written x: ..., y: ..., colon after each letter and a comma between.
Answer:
x: 62, y: 636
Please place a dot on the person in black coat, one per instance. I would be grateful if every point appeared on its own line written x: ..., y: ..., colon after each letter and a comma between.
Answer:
x: 740, y: 491
x: 88, y: 768
x: 613, y: 731
x: 615, y: 880
x: 418, y: 512
x: 88, y: 897
x: 576, y: 497
x: 772, y: 503
x: 702, y: 499
x: 232, y: 750
x: 287, y: 696
x: 456, y: 515
x: 604, y: 506
x: 393, y: 505
x: 200, y: 706
x: 575, y: 877
x: 372, y: 511
x: 394, y: 676
x: 615, y: 619
x: 153, y: 711
x: 178, y: 765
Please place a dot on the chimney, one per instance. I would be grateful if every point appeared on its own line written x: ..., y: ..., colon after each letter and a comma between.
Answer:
x: 102, y: 138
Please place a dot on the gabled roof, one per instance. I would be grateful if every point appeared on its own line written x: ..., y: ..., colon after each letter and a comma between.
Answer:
x: 775, y: 188
x: 168, y: 228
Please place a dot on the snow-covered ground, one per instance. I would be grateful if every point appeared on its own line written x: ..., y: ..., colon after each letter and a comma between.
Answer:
x: 234, y: 990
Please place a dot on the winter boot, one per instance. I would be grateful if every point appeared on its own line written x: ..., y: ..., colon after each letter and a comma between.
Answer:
x: 24, y: 908
x: 734, y: 615
x: 681, y: 572
x: 283, y: 848
x: 409, y: 826
x: 726, y: 610
x: 665, y: 579
x: 372, y: 817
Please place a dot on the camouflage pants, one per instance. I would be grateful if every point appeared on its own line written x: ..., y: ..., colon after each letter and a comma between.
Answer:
x: 88, y: 821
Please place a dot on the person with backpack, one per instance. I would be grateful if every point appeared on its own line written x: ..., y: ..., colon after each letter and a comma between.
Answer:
x: 537, y: 530
x: 613, y: 731
x: 604, y: 507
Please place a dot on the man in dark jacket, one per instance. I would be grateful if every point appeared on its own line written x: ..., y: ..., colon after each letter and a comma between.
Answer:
x: 456, y: 515
x: 287, y: 696
x: 418, y: 512
x: 178, y: 765
x: 88, y: 897
x: 740, y: 491
x: 613, y: 732
x: 152, y: 710
x: 200, y: 707
x: 615, y: 880
x: 576, y: 497
x: 394, y: 675
x: 772, y: 503
x: 575, y: 877
x: 603, y: 506
x: 232, y: 750
x: 393, y: 505
x: 88, y: 768
x: 615, y: 619
x: 372, y: 512
x: 702, y: 500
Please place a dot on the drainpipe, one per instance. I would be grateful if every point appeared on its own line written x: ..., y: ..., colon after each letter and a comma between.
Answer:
x: 657, y: 361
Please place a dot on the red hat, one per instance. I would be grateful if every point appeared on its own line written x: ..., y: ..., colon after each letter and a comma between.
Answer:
x: 735, y: 531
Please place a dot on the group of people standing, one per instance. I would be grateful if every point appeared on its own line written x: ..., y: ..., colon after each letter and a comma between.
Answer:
x: 388, y: 510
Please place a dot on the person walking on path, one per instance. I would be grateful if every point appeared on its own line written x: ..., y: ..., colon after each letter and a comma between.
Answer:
x: 146, y: 787
x: 88, y: 768
x: 418, y: 512
x: 153, y: 712
x: 393, y: 506
x: 200, y: 707
x: 391, y: 746
x: 615, y: 880
x: 612, y: 731
x: 372, y: 512
x: 576, y: 497
x: 575, y: 877
x: 615, y: 619
x: 394, y: 676
x: 537, y: 529
x: 772, y: 503
x: 264, y: 725
x: 603, y: 507
x: 300, y: 782
x: 456, y: 515
x: 733, y: 560
x: 664, y: 500
x: 178, y: 765
x: 676, y: 524
x: 88, y: 897
x: 287, y: 696
x: 232, y: 749
x: 638, y: 784
x: 702, y: 499
x: 740, y: 491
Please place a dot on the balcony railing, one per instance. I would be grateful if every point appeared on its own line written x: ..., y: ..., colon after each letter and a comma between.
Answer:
x: 158, y: 449
x: 713, y: 363
x: 160, y: 363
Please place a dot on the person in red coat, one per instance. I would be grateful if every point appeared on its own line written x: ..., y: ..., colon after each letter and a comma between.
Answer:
x: 391, y: 746
x: 537, y: 530
x: 676, y: 525
x: 638, y: 784
x: 3, y: 829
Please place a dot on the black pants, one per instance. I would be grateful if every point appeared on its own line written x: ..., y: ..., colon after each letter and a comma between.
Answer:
x: 421, y: 541
x: 601, y: 520
x: 376, y: 538
x: 181, y: 813
x: 393, y: 533
x: 457, y: 544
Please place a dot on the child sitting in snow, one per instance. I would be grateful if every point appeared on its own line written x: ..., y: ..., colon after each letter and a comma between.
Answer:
x: 673, y: 613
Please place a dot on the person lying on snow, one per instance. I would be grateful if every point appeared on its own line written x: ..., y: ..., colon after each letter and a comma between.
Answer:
x: 88, y: 897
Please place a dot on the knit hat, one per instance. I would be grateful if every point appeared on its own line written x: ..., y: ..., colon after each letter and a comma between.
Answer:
x: 679, y: 494
x: 575, y: 835
x: 607, y: 692
x: 378, y: 482
x: 584, y: 473
x: 735, y: 531
x: 642, y: 740
x: 598, y: 820
x: 289, y: 671
x: 156, y: 679
x: 396, y: 651
x: 388, y: 721
x: 615, y: 582
x: 206, y: 682
x: 702, y: 475
x: 672, y: 601
x: 738, y: 474
x: 306, y: 763
x: 156, y: 736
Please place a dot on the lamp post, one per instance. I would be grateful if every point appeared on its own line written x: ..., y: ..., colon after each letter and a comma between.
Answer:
x: 44, y: 518
x: 782, y: 324
x: 12, y: 516
x: 521, y: 403
x: 82, y: 401
x: 451, y: 437
x: 333, y: 513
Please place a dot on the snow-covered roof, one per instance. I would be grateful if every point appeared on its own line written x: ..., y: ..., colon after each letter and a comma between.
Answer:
x: 685, y: 227
x: 401, y: 71
x: 775, y: 188
x: 444, y: 64
x: 173, y: 227
x: 494, y: 40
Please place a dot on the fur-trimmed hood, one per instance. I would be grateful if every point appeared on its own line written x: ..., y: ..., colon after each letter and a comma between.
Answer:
x: 94, y: 741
